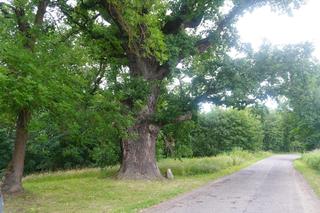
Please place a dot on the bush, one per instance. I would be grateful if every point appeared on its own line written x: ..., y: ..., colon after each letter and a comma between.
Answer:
x: 223, y: 130
x: 312, y: 159
x: 175, y: 140
x: 107, y: 154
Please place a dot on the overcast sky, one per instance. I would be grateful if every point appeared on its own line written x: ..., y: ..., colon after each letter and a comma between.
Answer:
x: 279, y: 29
x: 263, y: 24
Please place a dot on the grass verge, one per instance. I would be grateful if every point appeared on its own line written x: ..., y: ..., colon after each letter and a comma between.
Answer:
x: 309, y: 167
x: 93, y: 190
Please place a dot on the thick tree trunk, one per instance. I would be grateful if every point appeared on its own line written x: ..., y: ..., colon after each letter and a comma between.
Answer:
x: 139, y: 154
x: 13, y: 176
x: 139, y: 151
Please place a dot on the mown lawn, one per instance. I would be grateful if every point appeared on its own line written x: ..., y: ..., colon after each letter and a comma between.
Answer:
x: 309, y: 166
x: 95, y: 190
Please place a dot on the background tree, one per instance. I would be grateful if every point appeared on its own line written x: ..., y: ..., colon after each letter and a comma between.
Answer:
x: 223, y: 130
x: 37, y: 70
x: 16, y: 61
x: 295, y: 85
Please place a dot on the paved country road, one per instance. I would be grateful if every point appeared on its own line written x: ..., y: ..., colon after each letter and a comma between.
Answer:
x: 269, y: 186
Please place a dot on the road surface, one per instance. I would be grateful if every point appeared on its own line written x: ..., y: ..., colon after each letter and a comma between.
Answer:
x: 269, y: 186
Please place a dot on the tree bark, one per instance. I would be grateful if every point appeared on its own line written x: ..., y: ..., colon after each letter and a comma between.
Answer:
x: 13, y: 176
x: 139, y: 154
x: 139, y: 151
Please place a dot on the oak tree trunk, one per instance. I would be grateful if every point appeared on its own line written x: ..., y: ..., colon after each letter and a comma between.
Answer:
x: 139, y: 150
x: 139, y: 154
x: 13, y: 176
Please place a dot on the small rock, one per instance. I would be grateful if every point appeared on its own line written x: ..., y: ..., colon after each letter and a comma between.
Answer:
x: 169, y: 174
x: 1, y: 203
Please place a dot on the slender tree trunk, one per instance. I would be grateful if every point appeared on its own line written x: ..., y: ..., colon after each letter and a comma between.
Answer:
x: 139, y: 151
x: 13, y: 176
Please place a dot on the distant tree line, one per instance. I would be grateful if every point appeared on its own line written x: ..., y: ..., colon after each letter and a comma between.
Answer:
x: 220, y: 130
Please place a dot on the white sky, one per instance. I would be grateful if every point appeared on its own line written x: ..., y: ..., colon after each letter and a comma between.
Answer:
x: 263, y: 24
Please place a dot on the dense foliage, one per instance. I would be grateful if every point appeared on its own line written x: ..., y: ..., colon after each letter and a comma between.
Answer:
x: 224, y: 130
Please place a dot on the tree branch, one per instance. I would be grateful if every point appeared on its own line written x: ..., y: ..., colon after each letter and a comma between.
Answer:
x: 203, y: 44
x: 116, y: 16
x: 162, y: 72
x: 42, y: 7
x: 185, y: 117
x: 181, y: 118
x: 23, y: 25
x: 98, y: 78
x: 183, y: 19
x: 84, y: 24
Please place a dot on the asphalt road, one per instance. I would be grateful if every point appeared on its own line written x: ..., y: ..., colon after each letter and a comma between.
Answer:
x: 269, y: 186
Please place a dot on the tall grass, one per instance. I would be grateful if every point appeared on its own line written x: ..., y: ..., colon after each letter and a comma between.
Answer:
x: 197, y: 166
x: 312, y: 159
x: 179, y: 167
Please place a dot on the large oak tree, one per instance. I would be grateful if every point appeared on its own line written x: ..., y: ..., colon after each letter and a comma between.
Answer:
x: 147, y: 40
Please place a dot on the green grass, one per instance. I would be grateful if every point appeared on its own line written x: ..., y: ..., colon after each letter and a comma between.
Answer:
x: 93, y: 190
x: 309, y: 167
x: 312, y: 159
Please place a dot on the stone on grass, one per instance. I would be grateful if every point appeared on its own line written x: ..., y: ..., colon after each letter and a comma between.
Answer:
x: 169, y: 174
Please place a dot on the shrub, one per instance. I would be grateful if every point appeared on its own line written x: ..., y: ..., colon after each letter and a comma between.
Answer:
x: 312, y: 159
x: 223, y: 130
